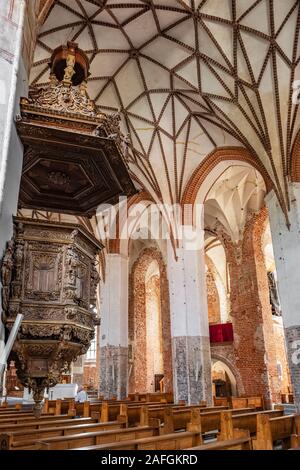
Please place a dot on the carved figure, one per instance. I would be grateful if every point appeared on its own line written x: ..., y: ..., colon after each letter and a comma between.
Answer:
x: 7, y: 264
x: 69, y: 70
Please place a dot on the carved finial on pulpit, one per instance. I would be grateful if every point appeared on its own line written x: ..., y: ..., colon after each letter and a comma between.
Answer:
x: 69, y: 70
x: 69, y: 64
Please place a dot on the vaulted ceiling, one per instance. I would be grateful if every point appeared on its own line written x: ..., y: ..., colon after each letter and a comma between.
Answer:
x: 188, y: 76
x: 234, y: 197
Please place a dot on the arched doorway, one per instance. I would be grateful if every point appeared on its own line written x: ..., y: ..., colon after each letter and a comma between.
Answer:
x: 223, y: 379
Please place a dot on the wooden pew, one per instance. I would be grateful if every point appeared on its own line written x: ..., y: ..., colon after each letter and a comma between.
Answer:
x: 64, y: 406
x: 175, y: 420
x: 38, y: 424
x: 242, y: 443
x: 151, y: 397
x: 96, y: 438
x: 64, y: 440
x: 240, y: 402
x: 220, y: 401
x: 175, y: 441
x: 231, y: 424
x: 270, y: 430
x: 210, y: 421
x: 257, y: 402
x: 17, y: 409
x: 89, y: 409
x: 109, y: 412
x: 26, y: 440
x: 18, y: 413
x: 29, y: 419
x: 237, y: 402
x: 171, y: 441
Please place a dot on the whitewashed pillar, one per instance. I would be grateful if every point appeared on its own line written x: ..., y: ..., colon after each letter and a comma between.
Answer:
x: 189, y: 319
x: 114, y: 328
x: 286, y: 245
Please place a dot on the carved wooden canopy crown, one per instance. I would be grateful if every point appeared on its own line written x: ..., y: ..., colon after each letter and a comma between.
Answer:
x: 64, y: 133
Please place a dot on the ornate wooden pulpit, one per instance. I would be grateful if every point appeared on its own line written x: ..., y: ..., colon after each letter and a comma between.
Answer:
x: 73, y: 161
x: 49, y: 275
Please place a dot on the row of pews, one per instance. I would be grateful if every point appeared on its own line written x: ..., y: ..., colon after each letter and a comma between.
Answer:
x: 142, y: 424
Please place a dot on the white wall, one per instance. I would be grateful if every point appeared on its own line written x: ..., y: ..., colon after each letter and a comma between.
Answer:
x: 13, y: 79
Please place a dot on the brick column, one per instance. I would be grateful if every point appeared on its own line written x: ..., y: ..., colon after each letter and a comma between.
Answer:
x: 254, y: 342
x: 286, y: 245
x: 189, y: 322
x: 114, y: 328
x: 139, y: 336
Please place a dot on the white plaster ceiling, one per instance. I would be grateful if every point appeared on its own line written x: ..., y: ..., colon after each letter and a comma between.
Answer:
x: 188, y: 76
x: 238, y: 193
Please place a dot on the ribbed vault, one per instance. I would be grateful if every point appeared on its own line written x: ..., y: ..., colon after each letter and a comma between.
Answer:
x: 188, y: 76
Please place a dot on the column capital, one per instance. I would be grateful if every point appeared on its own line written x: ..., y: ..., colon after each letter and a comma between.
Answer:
x: 270, y: 197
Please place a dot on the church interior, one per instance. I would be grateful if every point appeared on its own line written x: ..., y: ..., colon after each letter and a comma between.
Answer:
x: 149, y: 225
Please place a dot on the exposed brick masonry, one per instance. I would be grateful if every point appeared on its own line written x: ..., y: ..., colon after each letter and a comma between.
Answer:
x: 137, y: 321
x: 254, y: 343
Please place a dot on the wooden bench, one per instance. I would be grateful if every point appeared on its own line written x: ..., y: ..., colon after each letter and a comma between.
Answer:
x: 176, y: 419
x: 96, y: 438
x: 231, y: 424
x: 17, y: 409
x: 62, y: 406
x: 28, y: 419
x: 210, y: 420
x: 172, y: 418
x: 243, y: 443
x: 152, y: 397
x: 110, y: 412
x: 240, y: 402
x: 89, y: 409
x: 270, y: 430
x: 257, y: 402
x: 38, y: 424
x: 190, y: 438
x: 186, y: 419
x: 26, y: 440
x: 90, y: 434
x: 17, y: 414
x: 175, y: 441
x: 195, y: 428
